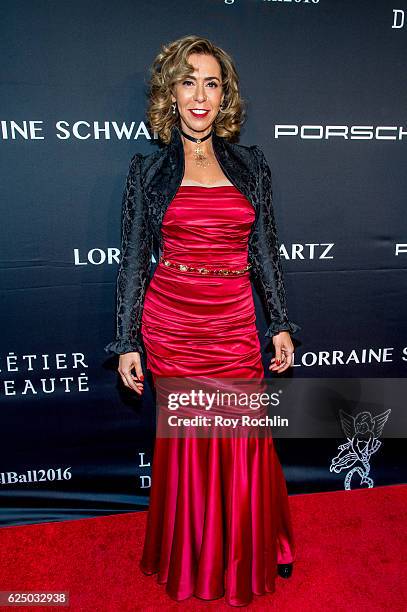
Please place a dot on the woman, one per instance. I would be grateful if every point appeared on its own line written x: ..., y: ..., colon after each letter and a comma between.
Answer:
x: 218, y: 522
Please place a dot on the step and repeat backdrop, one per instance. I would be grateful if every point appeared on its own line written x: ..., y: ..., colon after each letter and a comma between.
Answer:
x: 326, y: 99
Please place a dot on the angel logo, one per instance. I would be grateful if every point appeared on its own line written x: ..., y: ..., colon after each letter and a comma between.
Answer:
x: 362, y: 433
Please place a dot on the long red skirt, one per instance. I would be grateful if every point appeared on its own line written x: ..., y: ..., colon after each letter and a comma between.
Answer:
x: 218, y: 521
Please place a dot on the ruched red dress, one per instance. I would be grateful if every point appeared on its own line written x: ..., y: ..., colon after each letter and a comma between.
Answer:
x: 219, y: 520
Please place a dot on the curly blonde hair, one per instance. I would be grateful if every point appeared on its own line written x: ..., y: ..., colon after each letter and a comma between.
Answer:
x: 170, y: 66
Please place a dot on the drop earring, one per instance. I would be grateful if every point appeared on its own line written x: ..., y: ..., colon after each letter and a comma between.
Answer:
x: 173, y: 108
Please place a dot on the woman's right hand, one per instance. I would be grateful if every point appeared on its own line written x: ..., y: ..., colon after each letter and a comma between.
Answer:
x: 128, y: 362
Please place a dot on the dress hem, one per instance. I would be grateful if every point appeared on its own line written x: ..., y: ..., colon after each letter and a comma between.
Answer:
x: 208, y: 598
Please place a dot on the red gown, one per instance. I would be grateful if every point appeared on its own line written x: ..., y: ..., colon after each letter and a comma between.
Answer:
x: 219, y: 520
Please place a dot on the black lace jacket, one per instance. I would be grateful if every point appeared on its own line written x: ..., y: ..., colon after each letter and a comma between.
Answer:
x: 151, y: 184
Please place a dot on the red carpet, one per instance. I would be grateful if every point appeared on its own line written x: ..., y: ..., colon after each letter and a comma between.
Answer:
x: 351, y: 546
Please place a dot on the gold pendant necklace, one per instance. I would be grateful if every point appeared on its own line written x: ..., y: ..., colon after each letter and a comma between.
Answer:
x: 200, y: 158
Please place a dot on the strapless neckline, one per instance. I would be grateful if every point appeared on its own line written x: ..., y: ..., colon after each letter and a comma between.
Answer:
x: 208, y: 186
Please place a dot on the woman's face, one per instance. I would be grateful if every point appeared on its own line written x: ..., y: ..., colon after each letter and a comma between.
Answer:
x: 202, y: 90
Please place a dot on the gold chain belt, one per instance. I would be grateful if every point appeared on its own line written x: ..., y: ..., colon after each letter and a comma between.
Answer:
x: 201, y: 270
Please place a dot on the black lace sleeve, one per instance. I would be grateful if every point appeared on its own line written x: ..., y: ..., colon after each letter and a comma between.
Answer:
x: 132, y: 275
x: 265, y: 254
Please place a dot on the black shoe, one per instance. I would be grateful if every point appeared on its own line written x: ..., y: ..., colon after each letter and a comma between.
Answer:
x: 285, y: 569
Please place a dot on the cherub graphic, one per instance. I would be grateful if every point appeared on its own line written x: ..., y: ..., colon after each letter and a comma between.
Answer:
x: 362, y: 432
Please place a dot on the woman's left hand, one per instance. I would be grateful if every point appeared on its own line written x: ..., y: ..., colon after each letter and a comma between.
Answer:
x: 284, y: 349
